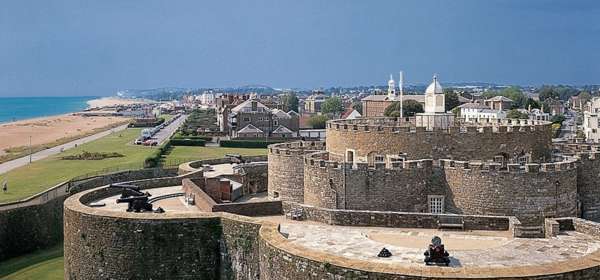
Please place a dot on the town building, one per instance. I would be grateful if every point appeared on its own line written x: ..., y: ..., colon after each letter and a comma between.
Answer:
x: 499, y: 103
x: 375, y: 105
x: 312, y: 104
x: 477, y: 111
x: 252, y: 119
x: 591, y: 125
x: 554, y: 106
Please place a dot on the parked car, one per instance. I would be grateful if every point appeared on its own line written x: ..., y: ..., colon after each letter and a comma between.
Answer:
x: 138, y: 141
x: 150, y: 143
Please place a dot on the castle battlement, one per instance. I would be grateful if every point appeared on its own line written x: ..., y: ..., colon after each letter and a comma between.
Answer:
x: 577, y: 148
x: 568, y: 163
x: 321, y: 159
x: 296, y: 148
x: 500, y: 126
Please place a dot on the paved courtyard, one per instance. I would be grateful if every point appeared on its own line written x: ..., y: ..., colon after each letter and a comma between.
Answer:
x: 472, y: 249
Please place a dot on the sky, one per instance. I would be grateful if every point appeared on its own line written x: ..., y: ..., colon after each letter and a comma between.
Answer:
x: 69, y: 48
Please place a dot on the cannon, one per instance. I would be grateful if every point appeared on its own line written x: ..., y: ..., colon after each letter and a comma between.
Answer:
x: 129, y: 190
x: 436, y: 254
x: 136, y: 203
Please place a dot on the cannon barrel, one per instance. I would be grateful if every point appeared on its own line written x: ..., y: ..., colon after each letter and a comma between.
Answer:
x: 132, y: 199
x: 124, y: 186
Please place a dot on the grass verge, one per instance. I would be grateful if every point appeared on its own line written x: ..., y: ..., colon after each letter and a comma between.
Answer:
x: 180, y: 154
x: 43, y: 264
x: 43, y: 174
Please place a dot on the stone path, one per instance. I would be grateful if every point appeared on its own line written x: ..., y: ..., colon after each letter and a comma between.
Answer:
x: 364, y: 243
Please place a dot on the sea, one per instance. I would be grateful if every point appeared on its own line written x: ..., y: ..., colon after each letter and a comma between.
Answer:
x: 20, y: 108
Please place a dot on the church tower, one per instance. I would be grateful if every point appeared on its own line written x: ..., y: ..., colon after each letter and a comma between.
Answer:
x: 391, y: 88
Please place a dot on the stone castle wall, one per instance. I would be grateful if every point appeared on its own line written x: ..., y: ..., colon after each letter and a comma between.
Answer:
x: 461, y: 143
x: 530, y: 193
x: 286, y: 169
x: 104, y: 244
x: 588, y: 180
x: 329, y: 184
x: 37, y: 222
x: 280, y: 260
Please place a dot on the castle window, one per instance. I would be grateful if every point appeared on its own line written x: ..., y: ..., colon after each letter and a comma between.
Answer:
x: 379, y: 158
x: 436, y: 204
x: 349, y: 155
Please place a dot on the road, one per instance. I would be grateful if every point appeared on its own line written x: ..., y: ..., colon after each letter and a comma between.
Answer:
x: 166, y: 132
x: 569, y: 128
x: 15, y: 163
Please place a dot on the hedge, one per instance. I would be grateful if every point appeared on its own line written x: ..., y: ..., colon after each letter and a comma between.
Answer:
x: 187, y: 142
x: 248, y: 143
x: 153, y: 160
x: 205, y: 138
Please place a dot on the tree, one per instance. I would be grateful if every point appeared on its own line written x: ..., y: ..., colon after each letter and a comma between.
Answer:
x: 451, y: 99
x: 332, y: 105
x: 546, y: 92
x: 513, y: 93
x: 580, y: 134
x: 290, y: 101
x: 534, y: 104
x: 410, y: 108
x: 584, y: 96
x: 357, y: 105
x: 318, y: 121
x: 516, y: 114
x: 557, y: 119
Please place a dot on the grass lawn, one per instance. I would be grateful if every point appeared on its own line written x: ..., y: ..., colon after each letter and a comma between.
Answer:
x: 166, y: 116
x: 44, y: 264
x: 181, y: 154
x: 43, y: 174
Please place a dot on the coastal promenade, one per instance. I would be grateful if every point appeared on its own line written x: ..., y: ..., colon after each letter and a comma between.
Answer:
x: 22, y: 161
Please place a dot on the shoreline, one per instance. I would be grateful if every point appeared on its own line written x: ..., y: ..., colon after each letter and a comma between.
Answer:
x: 111, y: 101
x: 49, y: 131
x: 108, y: 100
x: 43, y: 132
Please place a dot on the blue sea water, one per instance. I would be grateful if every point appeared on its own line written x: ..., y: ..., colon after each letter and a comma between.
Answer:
x: 19, y: 108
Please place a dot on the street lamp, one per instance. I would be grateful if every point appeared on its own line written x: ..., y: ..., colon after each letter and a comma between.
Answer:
x: 30, y: 150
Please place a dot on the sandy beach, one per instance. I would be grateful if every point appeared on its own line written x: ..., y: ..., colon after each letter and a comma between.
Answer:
x: 49, y: 129
x: 114, y: 101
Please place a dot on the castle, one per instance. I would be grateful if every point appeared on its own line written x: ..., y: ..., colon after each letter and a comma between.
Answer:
x: 501, y: 181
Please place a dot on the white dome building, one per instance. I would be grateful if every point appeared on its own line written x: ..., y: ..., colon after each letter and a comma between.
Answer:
x: 435, y: 115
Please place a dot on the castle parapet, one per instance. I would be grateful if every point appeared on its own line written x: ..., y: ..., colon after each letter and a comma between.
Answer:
x: 568, y: 163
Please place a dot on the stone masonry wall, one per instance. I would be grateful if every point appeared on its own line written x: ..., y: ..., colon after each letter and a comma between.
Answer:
x: 530, y: 194
x: 588, y: 182
x: 286, y: 169
x: 328, y: 184
x: 253, y: 176
x: 24, y: 229
x: 30, y: 228
x: 453, y: 143
x: 103, y: 247
x: 281, y: 261
x: 365, y: 218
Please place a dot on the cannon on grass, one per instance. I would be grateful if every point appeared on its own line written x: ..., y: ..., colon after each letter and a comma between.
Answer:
x: 436, y: 253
